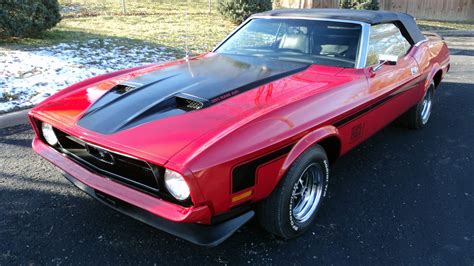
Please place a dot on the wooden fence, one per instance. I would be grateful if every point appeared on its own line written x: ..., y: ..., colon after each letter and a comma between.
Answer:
x: 446, y: 10
x: 306, y: 3
x: 443, y: 10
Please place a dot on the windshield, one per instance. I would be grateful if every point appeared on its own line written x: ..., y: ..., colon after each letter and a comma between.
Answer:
x: 310, y: 41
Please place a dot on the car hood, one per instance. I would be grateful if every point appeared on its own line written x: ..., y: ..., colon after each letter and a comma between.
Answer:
x: 155, y: 112
x: 182, y: 88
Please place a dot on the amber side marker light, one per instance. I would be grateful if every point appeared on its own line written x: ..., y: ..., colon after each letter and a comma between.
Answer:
x: 242, y: 196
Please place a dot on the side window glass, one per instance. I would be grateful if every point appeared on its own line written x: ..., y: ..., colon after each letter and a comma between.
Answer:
x: 388, y: 40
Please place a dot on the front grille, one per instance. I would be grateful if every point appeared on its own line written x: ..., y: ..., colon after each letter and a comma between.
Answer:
x: 125, y: 169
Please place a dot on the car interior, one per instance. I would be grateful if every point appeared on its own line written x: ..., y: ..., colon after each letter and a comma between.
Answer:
x: 318, y: 42
x: 322, y: 42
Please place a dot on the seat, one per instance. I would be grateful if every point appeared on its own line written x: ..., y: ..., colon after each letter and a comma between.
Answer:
x: 351, y: 52
x: 293, y: 41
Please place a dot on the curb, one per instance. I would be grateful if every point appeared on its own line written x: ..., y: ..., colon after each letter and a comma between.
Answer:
x: 455, y: 33
x: 14, y: 119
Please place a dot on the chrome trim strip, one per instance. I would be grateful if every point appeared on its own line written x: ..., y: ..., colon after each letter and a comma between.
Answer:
x: 361, y: 55
x: 420, y: 42
x: 193, y: 96
x: 231, y: 34
x: 363, y: 46
x: 103, y: 148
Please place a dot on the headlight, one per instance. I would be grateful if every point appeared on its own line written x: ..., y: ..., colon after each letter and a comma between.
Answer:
x: 176, y: 185
x: 48, y: 134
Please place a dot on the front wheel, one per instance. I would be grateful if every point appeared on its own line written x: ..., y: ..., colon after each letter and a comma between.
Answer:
x: 293, y: 205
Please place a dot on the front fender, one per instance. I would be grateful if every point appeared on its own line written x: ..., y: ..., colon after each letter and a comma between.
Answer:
x: 305, y: 143
x: 269, y: 175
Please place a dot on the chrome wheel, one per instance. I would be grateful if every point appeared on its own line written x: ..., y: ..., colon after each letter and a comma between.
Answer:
x: 307, y: 193
x: 426, y: 107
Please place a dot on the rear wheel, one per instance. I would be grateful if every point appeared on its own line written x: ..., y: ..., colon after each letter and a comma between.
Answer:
x: 293, y: 205
x: 419, y: 115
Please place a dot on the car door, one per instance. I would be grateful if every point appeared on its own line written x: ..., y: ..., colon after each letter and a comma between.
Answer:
x: 393, y: 87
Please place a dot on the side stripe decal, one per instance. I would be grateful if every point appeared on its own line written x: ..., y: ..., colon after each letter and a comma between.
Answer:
x: 351, y: 117
x: 243, y: 176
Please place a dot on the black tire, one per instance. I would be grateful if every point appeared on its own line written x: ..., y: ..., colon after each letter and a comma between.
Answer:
x: 414, y: 118
x: 275, y: 213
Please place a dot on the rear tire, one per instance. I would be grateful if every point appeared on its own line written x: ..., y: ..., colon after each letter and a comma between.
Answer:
x: 419, y: 115
x: 293, y: 205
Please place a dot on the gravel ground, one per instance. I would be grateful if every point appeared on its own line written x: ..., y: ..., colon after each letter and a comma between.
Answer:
x: 402, y: 197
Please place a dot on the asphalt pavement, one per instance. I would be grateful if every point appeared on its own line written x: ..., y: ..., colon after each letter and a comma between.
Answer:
x: 402, y: 197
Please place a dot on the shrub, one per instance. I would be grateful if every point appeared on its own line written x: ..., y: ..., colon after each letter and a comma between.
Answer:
x: 239, y: 10
x: 360, y: 4
x: 23, y: 18
x: 347, y: 4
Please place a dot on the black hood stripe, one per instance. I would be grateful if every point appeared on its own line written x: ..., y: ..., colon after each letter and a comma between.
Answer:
x: 115, y: 95
x: 197, y: 83
x: 255, y: 84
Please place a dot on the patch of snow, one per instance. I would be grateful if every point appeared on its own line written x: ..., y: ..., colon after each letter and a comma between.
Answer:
x: 30, y: 76
x: 68, y: 9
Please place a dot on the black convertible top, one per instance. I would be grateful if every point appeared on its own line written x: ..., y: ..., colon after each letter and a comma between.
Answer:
x: 409, y: 27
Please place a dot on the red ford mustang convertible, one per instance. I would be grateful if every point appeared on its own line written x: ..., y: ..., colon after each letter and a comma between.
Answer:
x: 198, y: 146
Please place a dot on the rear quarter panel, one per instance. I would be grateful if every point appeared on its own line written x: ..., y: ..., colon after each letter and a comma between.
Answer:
x: 432, y: 56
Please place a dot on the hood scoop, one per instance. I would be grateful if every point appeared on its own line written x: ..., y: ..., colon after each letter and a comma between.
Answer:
x: 124, y: 88
x: 182, y: 88
x: 189, y: 103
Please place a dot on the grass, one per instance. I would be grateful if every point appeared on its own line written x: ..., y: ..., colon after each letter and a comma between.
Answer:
x: 170, y: 23
x: 7, y: 96
x: 162, y: 23
x: 442, y: 25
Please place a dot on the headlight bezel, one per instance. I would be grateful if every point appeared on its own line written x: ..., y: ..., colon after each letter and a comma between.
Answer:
x: 176, y: 185
x: 47, y: 131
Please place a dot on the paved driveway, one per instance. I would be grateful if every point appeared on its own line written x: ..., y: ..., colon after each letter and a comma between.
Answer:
x: 401, y: 197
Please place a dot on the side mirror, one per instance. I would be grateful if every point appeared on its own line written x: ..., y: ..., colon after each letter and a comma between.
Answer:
x: 388, y: 59
x: 385, y: 59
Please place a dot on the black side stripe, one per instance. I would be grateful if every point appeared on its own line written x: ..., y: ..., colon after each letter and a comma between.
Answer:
x: 243, y: 176
x: 351, y: 117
